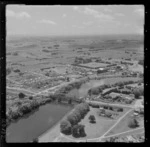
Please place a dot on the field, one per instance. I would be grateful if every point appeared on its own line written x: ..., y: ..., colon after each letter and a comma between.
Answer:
x: 123, y: 125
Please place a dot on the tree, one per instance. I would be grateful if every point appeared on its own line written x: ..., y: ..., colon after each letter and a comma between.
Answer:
x: 78, y: 131
x: 81, y: 130
x: 65, y: 127
x: 72, y: 119
x: 95, y: 91
x: 79, y: 113
x: 21, y: 95
x: 75, y: 131
x: 92, y: 119
x: 138, y: 92
x: 133, y: 123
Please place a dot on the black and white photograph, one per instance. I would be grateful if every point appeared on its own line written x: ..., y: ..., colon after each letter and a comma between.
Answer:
x: 75, y: 73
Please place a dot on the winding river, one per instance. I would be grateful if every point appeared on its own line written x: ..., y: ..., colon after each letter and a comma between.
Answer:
x: 32, y: 126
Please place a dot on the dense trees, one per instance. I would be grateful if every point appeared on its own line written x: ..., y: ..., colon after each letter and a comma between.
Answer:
x: 70, y: 124
x: 95, y: 91
x: 99, y: 89
x: 22, y: 109
x: 79, y: 112
x: 65, y: 127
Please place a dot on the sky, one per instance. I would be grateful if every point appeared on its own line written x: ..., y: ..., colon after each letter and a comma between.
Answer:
x: 74, y: 20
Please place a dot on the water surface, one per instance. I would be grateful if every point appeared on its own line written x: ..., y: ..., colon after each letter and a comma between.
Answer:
x: 28, y: 128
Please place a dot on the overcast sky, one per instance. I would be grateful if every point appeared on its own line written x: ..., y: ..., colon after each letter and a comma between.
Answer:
x: 75, y: 20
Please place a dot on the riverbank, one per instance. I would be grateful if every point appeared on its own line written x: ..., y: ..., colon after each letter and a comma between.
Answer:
x: 27, y: 129
x: 53, y: 132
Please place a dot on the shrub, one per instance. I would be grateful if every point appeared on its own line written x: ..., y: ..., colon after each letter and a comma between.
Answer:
x: 95, y: 91
x: 8, y: 71
x: 21, y: 95
x: 14, y: 114
x: 120, y: 109
x: 70, y: 101
x: 94, y: 105
x: 108, y: 114
x: 133, y: 123
x: 92, y: 119
x: 65, y: 127
x: 30, y: 97
x: 35, y: 140
x: 141, y: 62
x: 16, y: 70
x: 34, y: 104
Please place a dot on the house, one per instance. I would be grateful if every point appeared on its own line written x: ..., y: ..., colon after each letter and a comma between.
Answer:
x: 101, y: 70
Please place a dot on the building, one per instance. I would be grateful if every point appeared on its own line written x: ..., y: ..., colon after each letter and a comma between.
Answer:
x: 101, y: 70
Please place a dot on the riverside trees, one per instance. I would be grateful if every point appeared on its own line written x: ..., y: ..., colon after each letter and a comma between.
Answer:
x: 65, y: 127
x: 72, y: 120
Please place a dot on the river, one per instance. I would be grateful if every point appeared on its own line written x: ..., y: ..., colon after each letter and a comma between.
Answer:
x: 28, y: 128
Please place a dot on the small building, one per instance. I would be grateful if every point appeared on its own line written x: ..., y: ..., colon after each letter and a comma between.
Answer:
x: 135, y: 114
x: 101, y: 70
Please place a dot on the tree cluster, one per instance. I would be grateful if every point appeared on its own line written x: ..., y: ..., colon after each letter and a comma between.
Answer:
x: 70, y: 124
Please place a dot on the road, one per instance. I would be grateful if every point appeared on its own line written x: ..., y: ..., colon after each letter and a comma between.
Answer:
x: 21, y: 89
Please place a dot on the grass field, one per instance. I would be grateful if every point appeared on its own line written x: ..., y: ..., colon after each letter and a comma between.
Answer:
x: 97, y: 129
x: 132, y: 132
x: 122, y: 126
